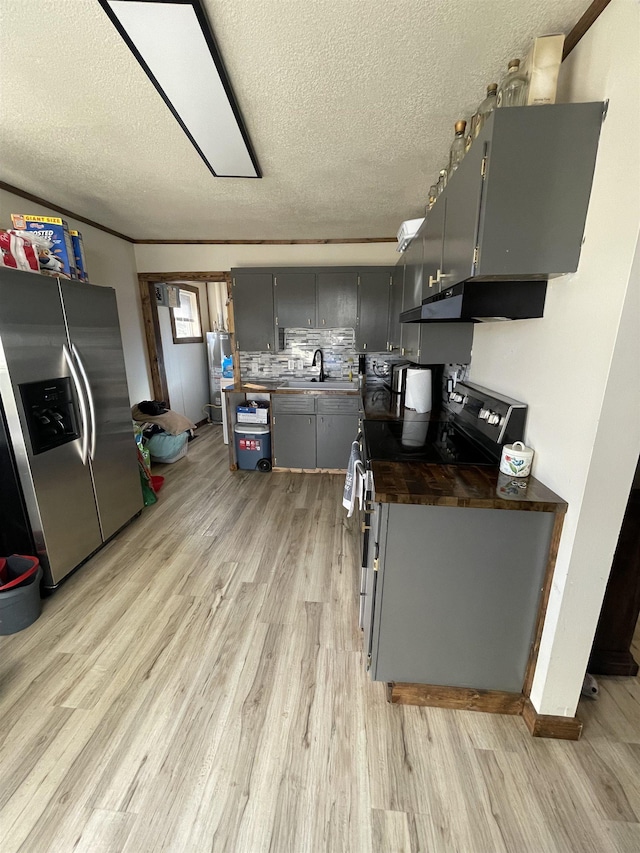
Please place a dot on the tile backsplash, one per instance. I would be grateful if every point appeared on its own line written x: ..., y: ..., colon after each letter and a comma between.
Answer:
x: 294, y: 361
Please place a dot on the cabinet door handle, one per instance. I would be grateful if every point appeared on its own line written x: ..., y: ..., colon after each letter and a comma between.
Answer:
x: 364, y: 346
x: 309, y: 321
x: 323, y: 322
x: 268, y: 345
x: 309, y: 421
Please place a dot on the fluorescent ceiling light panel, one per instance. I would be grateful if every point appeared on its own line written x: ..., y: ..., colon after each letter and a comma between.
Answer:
x: 173, y: 42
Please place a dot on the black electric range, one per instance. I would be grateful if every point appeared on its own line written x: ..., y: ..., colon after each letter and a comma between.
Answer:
x: 422, y: 441
x: 471, y: 430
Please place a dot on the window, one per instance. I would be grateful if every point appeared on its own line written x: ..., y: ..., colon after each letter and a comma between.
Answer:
x: 185, y: 319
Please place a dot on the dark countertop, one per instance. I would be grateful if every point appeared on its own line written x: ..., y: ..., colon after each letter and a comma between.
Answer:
x: 460, y: 486
x: 268, y: 388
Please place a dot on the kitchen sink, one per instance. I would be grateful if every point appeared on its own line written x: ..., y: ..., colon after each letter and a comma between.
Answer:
x: 327, y: 385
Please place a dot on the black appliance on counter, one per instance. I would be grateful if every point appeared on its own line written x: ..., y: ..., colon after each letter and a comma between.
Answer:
x: 471, y: 430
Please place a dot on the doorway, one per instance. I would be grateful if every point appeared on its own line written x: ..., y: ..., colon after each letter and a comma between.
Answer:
x: 178, y: 310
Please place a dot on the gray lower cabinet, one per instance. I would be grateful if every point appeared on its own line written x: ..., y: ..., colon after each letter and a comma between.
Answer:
x: 373, y: 311
x: 253, y: 312
x: 295, y: 299
x: 452, y: 594
x: 294, y: 441
x: 334, y: 434
x: 313, y: 431
x: 337, y: 299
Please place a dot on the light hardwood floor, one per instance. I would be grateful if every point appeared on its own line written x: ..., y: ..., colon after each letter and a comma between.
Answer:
x: 199, y: 686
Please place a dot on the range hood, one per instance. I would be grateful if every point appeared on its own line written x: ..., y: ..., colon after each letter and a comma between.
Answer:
x: 481, y: 301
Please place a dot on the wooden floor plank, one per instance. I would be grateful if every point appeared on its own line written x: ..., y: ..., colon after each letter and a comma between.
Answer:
x: 199, y: 685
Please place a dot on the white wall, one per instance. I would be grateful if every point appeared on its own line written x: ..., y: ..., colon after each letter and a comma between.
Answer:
x: 577, y: 368
x: 110, y: 262
x: 186, y: 364
x: 177, y: 258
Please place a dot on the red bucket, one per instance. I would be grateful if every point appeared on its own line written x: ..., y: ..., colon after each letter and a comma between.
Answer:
x: 156, y: 482
x: 17, y: 570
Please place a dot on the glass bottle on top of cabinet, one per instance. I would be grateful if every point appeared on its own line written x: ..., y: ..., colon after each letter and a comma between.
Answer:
x: 486, y: 108
x: 513, y: 88
x: 442, y: 180
x: 433, y: 195
x: 457, y: 152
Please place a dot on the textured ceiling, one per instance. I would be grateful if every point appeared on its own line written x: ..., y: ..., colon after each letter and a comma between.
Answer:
x: 350, y: 105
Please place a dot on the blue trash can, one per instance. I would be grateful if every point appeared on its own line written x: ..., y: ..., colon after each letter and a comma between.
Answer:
x: 253, y: 447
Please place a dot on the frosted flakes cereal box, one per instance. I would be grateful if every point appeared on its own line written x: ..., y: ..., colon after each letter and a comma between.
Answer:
x: 58, y: 260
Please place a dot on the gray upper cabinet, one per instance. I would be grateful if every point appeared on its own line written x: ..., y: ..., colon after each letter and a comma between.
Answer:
x: 414, y: 270
x: 395, y: 308
x: 517, y: 204
x: 515, y: 208
x: 462, y: 200
x: 433, y: 240
x: 373, y: 311
x: 410, y: 334
x: 538, y: 175
x: 253, y: 311
x: 337, y: 299
x: 295, y: 299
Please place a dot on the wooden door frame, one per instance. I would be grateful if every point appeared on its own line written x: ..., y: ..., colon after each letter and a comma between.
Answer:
x: 151, y: 321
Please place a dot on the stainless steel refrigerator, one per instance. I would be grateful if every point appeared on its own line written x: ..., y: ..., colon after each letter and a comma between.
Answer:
x: 220, y: 360
x: 66, y: 442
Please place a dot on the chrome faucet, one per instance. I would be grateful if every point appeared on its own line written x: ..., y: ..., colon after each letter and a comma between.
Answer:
x: 321, y: 375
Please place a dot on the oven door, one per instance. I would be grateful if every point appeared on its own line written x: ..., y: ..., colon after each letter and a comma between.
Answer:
x: 370, y: 579
x: 369, y: 496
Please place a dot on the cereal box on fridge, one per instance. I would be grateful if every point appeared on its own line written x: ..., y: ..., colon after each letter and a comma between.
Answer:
x: 60, y: 259
x: 78, y: 251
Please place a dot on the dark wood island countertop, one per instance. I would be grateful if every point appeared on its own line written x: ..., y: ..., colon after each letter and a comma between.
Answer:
x: 472, y: 486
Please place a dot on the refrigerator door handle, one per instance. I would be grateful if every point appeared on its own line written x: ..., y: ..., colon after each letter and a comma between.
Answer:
x: 81, y: 402
x: 92, y: 407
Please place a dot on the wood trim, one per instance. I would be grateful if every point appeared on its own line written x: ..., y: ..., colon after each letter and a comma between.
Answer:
x: 544, y: 600
x: 457, y: 698
x: 179, y: 277
x: 310, y: 242
x: 202, y: 422
x: 547, y: 725
x: 154, y: 340
x: 309, y: 470
x: 592, y: 13
x: 63, y: 211
x: 198, y: 339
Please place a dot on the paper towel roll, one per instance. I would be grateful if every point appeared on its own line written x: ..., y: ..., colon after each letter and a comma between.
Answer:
x: 418, y: 390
